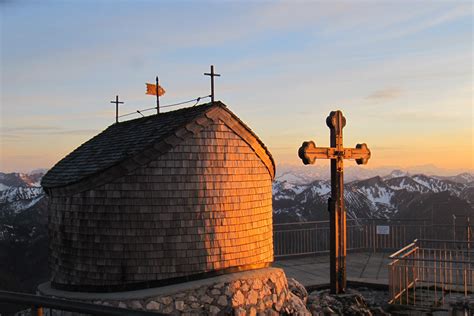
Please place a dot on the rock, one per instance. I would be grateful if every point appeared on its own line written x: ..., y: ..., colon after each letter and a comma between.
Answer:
x: 298, y: 289
x: 166, y: 300
x: 192, y: 298
x: 257, y: 284
x: 328, y: 310
x: 282, y: 297
x: 268, y: 302
x: 240, y: 312
x: 350, y: 303
x: 201, y: 291
x: 236, y: 285
x: 136, y: 305
x: 219, y: 285
x: 179, y: 305
x: 215, y: 292
x: 206, y: 299
x: 273, y: 278
x: 278, y: 306
x: 214, y: 310
x: 278, y: 286
x: 168, y: 309
x: 153, y: 306
x: 228, y: 290
x: 238, y: 299
x: 195, y: 305
x: 245, y: 287
x: 252, y: 311
x: 378, y: 311
x: 252, y: 297
x: 106, y: 304
x: 272, y: 312
x: 122, y: 305
x: 274, y: 298
x: 261, y: 306
x: 266, y: 290
x: 222, y: 300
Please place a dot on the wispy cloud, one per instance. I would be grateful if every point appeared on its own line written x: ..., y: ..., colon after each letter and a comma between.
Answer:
x: 14, y: 132
x: 76, y: 132
x: 386, y: 94
x: 31, y: 129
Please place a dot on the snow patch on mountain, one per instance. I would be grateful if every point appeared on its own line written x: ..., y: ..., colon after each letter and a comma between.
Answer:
x: 406, y: 183
x: 285, y: 190
x: 438, y: 185
x: 19, y: 191
x: 321, y: 187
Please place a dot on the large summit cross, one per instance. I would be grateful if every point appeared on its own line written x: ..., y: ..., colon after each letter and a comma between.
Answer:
x: 308, y: 152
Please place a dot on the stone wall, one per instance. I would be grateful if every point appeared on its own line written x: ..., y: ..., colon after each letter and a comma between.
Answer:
x: 205, y: 205
x: 244, y: 293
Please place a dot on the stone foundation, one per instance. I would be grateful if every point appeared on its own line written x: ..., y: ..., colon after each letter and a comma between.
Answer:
x: 243, y: 293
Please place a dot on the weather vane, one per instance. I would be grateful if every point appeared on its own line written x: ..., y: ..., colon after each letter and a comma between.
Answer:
x: 155, y: 89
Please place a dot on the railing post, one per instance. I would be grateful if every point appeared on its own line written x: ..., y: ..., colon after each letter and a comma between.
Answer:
x: 36, y: 311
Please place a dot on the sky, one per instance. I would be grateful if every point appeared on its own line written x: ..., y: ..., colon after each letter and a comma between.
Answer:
x: 401, y: 72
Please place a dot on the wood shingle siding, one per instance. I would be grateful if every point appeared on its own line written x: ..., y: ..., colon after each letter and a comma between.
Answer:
x: 194, y: 201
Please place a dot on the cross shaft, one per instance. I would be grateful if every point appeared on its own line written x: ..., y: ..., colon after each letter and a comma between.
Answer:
x: 308, y: 153
x: 212, y: 75
x: 117, y: 102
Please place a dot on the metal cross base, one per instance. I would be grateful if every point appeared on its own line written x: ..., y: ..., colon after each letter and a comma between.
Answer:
x: 308, y: 153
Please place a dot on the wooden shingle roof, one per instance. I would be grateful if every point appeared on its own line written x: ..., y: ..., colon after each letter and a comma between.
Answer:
x: 126, y: 145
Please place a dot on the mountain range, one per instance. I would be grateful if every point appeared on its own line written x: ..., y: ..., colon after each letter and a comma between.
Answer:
x: 298, y: 196
x: 396, y: 195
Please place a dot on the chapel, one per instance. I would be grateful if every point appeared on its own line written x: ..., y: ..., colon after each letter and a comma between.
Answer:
x: 161, y: 199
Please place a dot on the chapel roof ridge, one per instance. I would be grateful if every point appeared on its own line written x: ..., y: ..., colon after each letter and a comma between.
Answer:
x: 117, y: 145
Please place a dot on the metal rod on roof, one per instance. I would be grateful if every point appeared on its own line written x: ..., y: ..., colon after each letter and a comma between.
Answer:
x: 157, y: 96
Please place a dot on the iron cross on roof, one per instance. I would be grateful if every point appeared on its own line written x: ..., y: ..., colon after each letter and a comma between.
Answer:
x: 212, y: 75
x: 308, y: 152
x: 117, y: 102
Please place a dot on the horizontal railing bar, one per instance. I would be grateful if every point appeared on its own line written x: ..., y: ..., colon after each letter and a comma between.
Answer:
x: 302, y: 253
x: 403, y: 249
x: 446, y: 241
x: 67, y: 305
x: 361, y: 220
x: 434, y: 260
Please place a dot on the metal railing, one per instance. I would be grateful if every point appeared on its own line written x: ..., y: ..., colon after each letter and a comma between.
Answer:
x: 42, y: 305
x: 431, y: 273
x: 377, y: 235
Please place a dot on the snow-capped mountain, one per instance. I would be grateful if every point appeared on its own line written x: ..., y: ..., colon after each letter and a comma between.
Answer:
x: 23, y: 232
x: 435, y: 184
x: 391, y: 196
x: 20, y: 191
x: 464, y: 178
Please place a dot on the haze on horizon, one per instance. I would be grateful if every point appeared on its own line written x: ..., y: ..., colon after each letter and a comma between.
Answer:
x: 401, y: 72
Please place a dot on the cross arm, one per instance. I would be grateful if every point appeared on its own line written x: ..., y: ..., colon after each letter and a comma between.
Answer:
x: 361, y: 154
x: 308, y: 153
